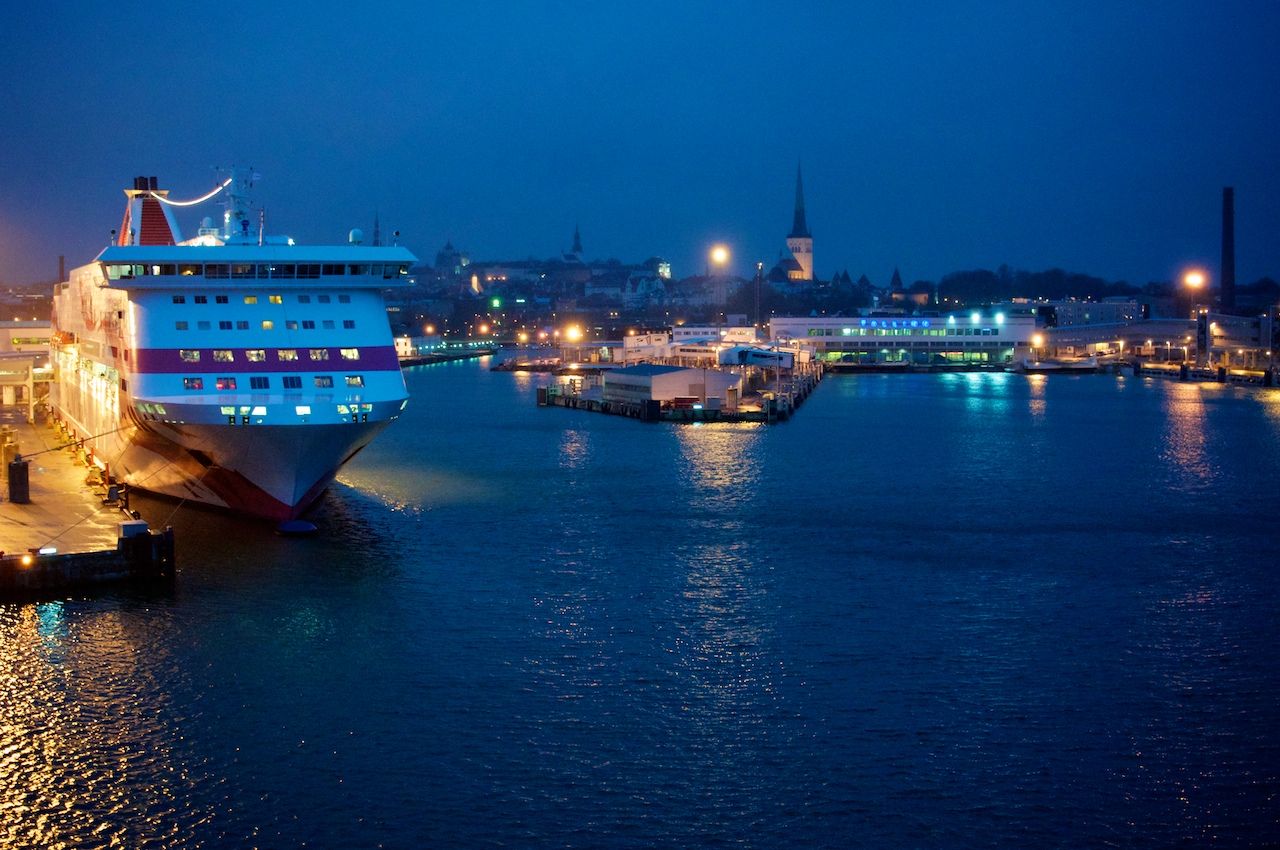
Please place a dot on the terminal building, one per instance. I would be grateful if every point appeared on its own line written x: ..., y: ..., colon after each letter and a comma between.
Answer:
x: 967, y: 338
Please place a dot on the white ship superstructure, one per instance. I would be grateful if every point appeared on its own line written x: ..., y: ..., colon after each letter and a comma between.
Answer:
x: 230, y: 369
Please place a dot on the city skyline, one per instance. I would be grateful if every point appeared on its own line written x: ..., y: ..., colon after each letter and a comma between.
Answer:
x: 933, y: 140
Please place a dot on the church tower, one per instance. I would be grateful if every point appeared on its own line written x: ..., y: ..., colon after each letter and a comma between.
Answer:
x: 800, y: 240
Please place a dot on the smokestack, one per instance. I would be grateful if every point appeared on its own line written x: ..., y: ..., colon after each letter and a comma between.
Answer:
x: 1227, y: 291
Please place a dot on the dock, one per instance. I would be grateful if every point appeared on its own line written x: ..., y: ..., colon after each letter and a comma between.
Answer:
x: 70, y: 530
x: 769, y: 407
x: 445, y: 356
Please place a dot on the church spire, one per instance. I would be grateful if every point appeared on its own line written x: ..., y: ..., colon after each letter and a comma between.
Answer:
x: 799, y: 230
x: 577, y: 241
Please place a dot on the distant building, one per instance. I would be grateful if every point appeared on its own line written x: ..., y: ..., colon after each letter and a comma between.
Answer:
x: 963, y: 337
x: 800, y: 240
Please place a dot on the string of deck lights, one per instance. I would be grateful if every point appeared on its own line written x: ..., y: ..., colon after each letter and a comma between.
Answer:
x: 165, y: 200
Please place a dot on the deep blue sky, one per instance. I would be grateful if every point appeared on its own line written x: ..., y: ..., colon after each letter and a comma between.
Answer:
x: 935, y: 136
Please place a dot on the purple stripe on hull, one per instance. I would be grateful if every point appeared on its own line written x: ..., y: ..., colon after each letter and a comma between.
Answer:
x: 158, y: 361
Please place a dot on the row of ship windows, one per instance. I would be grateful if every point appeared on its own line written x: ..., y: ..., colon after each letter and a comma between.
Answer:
x: 259, y: 355
x: 253, y: 299
x: 262, y: 382
x: 267, y: 325
x: 904, y: 332
x: 256, y: 271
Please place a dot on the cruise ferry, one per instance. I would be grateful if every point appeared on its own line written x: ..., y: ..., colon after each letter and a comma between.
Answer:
x: 233, y: 369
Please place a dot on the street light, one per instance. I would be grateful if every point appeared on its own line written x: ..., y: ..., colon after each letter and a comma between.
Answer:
x: 719, y: 256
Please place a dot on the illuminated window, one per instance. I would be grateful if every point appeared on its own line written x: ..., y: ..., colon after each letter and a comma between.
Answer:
x: 188, y: 270
x: 189, y: 355
x: 251, y: 299
x: 267, y: 324
x: 243, y: 271
x: 319, y: 354
x: 350, y: 353
x: 193, y: 383
x: 287, y: 353
x: 355, y: 380
x: 255, y: 355
x: 275, y: 299
x: 324, y: 381
x: 223, y: 355
x: 226, y: 383
x: 292, y: 382
x: 290, y: 325
x: 259, y: 382
x: 348, y: 323
x: 181, y: 326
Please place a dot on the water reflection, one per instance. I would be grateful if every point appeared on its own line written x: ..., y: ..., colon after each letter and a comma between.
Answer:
x: 86, y: 733
x: 1185, y: 444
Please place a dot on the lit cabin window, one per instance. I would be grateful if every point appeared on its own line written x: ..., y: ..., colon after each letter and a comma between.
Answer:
x: 251, y: 299
x: 190, y: 270
x: 290, y: 325
x: 189, y: 355
x: 223, y: 355
x: 275, y: 299
x: 302, y: 410
x: 324, y: 381
x: 350, y: 354
x: 319, y: 354
x: 267, y: 324
x: 355, y: 380
x: 193, y: 383
x: 226, y: 383
x: 286, y: 354
x: 255, y: 355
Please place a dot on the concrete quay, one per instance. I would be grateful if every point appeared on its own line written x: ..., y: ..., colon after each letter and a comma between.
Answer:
x: 87, y: 540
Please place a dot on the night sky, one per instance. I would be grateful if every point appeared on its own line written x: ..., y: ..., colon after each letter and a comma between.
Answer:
x: 934, y: 136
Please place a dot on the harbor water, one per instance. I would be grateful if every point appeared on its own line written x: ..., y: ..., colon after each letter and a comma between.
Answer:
x: 967, y: 610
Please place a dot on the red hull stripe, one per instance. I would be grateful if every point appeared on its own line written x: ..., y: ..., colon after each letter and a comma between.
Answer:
x: 169, y: 361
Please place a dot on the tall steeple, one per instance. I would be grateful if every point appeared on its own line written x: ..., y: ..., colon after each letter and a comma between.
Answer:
x: 799, y: 230
x: 800, y: 240
x: 577, y: 242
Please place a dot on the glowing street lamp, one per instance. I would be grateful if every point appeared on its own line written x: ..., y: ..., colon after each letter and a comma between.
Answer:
x: 1194, y: 279
x: 720, y: 256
